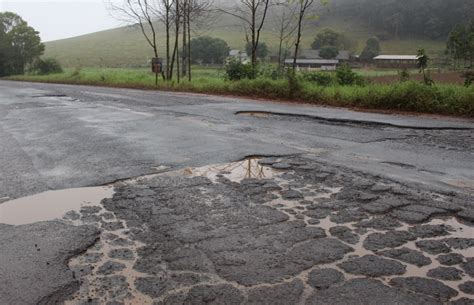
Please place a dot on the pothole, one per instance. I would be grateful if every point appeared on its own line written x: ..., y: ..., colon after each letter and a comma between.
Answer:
x: 250, y: 168
x: 51, y: 205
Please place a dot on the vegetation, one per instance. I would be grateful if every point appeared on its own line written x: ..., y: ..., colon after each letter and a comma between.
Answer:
x: 328, y: 52
x: 261, y: 52
x: 423, y: 61
x: 208, y: 50
x: 20, y: 44
x: 46, y: 66
x: 371, y: 50
x: 460, y: 44
x: 420, y: 18
x: 331, y: 38
x: 406, y: 96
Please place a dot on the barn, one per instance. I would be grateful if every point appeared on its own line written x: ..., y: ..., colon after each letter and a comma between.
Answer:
x: 396, y: 61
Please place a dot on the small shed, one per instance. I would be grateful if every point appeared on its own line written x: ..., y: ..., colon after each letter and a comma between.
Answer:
x: 396, y: 61
x: 323, y: 64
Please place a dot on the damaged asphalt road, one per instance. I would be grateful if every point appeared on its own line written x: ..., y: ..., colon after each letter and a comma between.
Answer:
x: 368, y: 206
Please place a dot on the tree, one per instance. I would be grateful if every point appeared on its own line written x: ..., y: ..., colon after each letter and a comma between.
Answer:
x: 143, y: 13
x: 303, y: 7
x: 253, y: 14
x: 262, y: 50
x: 331, y: 38
x: 328, y: 52
x: 193, y: 11
x: 20, y: 44
x: 371, y: 50
x: 460, y: 45
x: 284, y: 18
x: 423, y: 62
x: 209, y: 50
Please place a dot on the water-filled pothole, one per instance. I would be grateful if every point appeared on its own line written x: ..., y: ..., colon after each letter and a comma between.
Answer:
x: 51, y: 205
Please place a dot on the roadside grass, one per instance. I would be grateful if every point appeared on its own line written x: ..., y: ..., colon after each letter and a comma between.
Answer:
x: 409, y: 96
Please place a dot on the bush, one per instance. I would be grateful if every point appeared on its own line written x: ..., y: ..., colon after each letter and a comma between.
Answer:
x: 320, y: 79
x: 346, y: 77
x: 468, y: 78
x: 46, y: 66
x: 235, y: 70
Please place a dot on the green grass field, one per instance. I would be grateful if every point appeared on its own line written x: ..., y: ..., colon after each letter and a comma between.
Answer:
x: 409, y: 96
x: 125, y: 47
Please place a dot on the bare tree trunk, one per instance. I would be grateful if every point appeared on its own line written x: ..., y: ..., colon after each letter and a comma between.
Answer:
x: 185, y: 33
x: 303, y: 7
x: 176, y: 42
x: 167, y: 25
x: 189, y: 45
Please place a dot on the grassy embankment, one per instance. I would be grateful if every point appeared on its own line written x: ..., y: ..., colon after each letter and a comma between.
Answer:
x: 410, y: 96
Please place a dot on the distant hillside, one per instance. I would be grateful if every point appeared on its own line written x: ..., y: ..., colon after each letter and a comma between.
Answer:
x: 125, y: 46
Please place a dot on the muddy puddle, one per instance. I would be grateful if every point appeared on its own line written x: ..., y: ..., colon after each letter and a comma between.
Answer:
x: 249, y: 168
x: 51, y: 205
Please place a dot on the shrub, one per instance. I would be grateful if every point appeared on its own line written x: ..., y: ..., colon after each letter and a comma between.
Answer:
x: 46, y: 66
x: 320, y: 79
x: 346, y: 77
x: 468, y: 78
x: 404, y: 75
x: 235, y: 70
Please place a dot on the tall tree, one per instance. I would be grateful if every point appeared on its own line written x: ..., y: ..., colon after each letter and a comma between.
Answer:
x: 253, y: 14
x: 371, y: 50
x: 20, y: 44
x: 142, y: 13
x: 285, y: 23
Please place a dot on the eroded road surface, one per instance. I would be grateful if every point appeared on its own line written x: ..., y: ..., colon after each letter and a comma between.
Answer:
x: 191, y: 199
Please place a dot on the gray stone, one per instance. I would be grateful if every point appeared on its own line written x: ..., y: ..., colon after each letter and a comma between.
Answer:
x: 344, y: 234
x: 291, y: 195
x: 380, y: 223
x: 373, y: 266
x: 110, y: 267
x: 122, y: 254
x: 214, y: 295
x: 426, y: 286
x: 346, y: 216
x: 408, y: 256
x: 450, y: 259
x: 391, y: 239
x: 468, y: 266
x: 462, y: 301
x: 467, y: 287
x: 282, y: 294
x: 459, y: 243
x: 428, y: 231
x: 324, y: 278
x: 281, y: 166
x: 72, y: 215
x: 367, y: 292
x: 446, y: 274
x: 467, y: 215
x: 90, y: 209
x: 433, y: 246
x: 112, y: 226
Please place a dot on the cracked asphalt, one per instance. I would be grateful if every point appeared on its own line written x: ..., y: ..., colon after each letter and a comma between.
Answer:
x: 351, y: 207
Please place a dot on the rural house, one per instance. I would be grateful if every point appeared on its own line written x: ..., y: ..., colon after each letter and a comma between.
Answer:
x: 311, y: 59
x: 396, y: 61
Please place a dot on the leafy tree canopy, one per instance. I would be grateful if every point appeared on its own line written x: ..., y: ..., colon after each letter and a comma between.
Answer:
x: 330, y: 38
x: 328, y: 52
x: 460, y: 44
x: 371, y: 50
x: 20, y: 44
x: 262, y: 50
x: 209, y: 50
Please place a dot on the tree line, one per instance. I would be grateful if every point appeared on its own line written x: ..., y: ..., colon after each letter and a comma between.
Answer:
x: 20, y: 44
x: 433, y: 19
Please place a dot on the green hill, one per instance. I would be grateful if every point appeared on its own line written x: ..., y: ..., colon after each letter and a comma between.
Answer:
x: 126, y: 47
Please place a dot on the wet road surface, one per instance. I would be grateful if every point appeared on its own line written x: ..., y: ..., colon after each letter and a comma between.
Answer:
x: 359, y: 207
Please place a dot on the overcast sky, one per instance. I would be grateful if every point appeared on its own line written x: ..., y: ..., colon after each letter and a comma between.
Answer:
x: 57, y: 19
